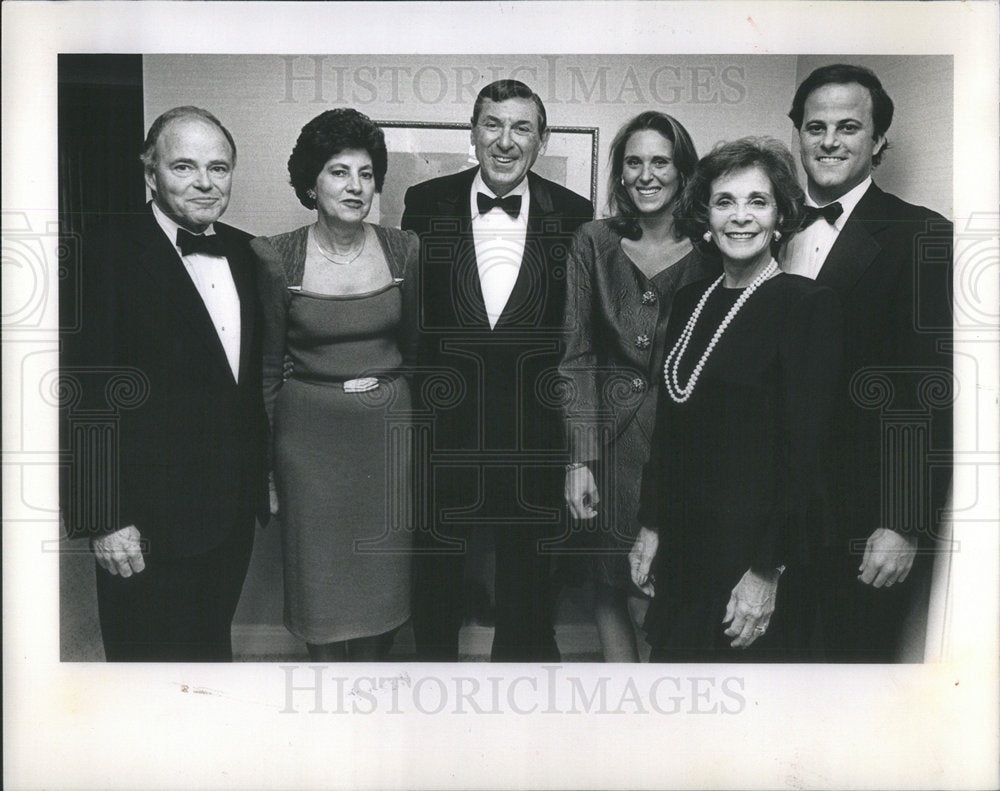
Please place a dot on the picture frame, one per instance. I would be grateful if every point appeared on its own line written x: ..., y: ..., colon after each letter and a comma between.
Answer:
x: 422, y: 150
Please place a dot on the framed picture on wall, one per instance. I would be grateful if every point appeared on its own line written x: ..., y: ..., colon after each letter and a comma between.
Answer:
x: 419, y: 151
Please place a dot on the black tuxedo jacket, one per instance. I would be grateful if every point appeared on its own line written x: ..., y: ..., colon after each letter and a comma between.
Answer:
x: 891, y: 266
x: 190, y: 460
x: 499, y: 423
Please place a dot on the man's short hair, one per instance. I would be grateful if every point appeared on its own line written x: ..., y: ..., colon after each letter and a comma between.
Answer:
x: 501, y: 91
x: 148, y: 155
x: 844, y: 74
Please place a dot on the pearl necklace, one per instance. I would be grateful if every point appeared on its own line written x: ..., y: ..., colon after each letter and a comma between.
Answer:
x: 672, y: 365
x: 331, y: 259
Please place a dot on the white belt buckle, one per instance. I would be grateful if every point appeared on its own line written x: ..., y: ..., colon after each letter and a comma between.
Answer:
x: 362, y: 385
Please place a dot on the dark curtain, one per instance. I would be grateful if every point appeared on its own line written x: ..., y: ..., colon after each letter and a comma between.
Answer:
x: 100, y: 137
x: 101, y: 131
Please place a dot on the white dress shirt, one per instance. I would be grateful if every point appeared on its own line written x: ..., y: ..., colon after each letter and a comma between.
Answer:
x: 806, y: 251
x: 499, y: 240
x: 214, y: 281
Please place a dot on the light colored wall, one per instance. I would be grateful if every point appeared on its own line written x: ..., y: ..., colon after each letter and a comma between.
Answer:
x: 918, y: 166
x: 265, y: 99
x: 264, y: 104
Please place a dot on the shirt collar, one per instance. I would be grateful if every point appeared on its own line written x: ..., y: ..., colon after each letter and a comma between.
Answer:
x: 847, y: 201
x: 170, y: 226
x: 478, y: 185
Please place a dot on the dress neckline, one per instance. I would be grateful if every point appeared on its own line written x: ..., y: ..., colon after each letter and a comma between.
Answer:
x: 294, y: 267
x: 662, y: 274
x: 299, y: 291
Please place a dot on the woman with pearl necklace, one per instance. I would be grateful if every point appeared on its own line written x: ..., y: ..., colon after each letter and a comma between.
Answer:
x: 732, y: 496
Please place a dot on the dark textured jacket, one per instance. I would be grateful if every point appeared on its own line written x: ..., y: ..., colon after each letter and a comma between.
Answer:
x: 615, y: 320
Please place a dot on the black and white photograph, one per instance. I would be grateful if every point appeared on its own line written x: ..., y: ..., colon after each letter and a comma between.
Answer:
x: 533, y: 395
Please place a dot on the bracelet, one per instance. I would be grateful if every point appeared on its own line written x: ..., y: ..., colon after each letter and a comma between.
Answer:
x: 575, y: 465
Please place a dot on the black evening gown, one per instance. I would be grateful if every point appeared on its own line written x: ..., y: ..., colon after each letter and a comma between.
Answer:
x: 735, y: 476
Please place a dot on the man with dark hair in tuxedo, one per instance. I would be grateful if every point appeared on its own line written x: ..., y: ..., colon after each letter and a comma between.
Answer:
x: 494, y: 240
x: 169, y: 299
x: 890, y: 263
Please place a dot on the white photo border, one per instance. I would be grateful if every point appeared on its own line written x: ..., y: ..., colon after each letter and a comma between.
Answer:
x: 70, y: 725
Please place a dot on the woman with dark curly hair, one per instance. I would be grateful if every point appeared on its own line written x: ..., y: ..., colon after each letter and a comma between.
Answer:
x: 732, y: 495
x: 621, y: 277
x: 339, y: 301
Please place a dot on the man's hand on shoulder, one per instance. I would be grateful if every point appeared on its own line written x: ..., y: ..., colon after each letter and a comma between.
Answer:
x: 888, y: 558
x: 119, y: 552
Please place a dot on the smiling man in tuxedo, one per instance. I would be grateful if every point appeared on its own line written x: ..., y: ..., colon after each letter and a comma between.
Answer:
x: 890, y: 262
x: 494, y: 240
x: 169, y: 296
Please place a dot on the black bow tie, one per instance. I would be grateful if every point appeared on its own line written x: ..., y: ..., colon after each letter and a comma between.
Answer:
x: 199, y: 243
x: 830, y: 213
x: 511, y: 204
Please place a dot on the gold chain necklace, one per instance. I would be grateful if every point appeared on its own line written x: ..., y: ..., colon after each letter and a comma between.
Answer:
x: 332, y: 259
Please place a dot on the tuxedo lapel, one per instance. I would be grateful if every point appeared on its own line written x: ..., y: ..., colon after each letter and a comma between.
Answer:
x: 454, y: 202
x: 530, y: 287
x: 169, y: 280
x: 856, y: 246
x: 241, y: 269
x: 465, y: 275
